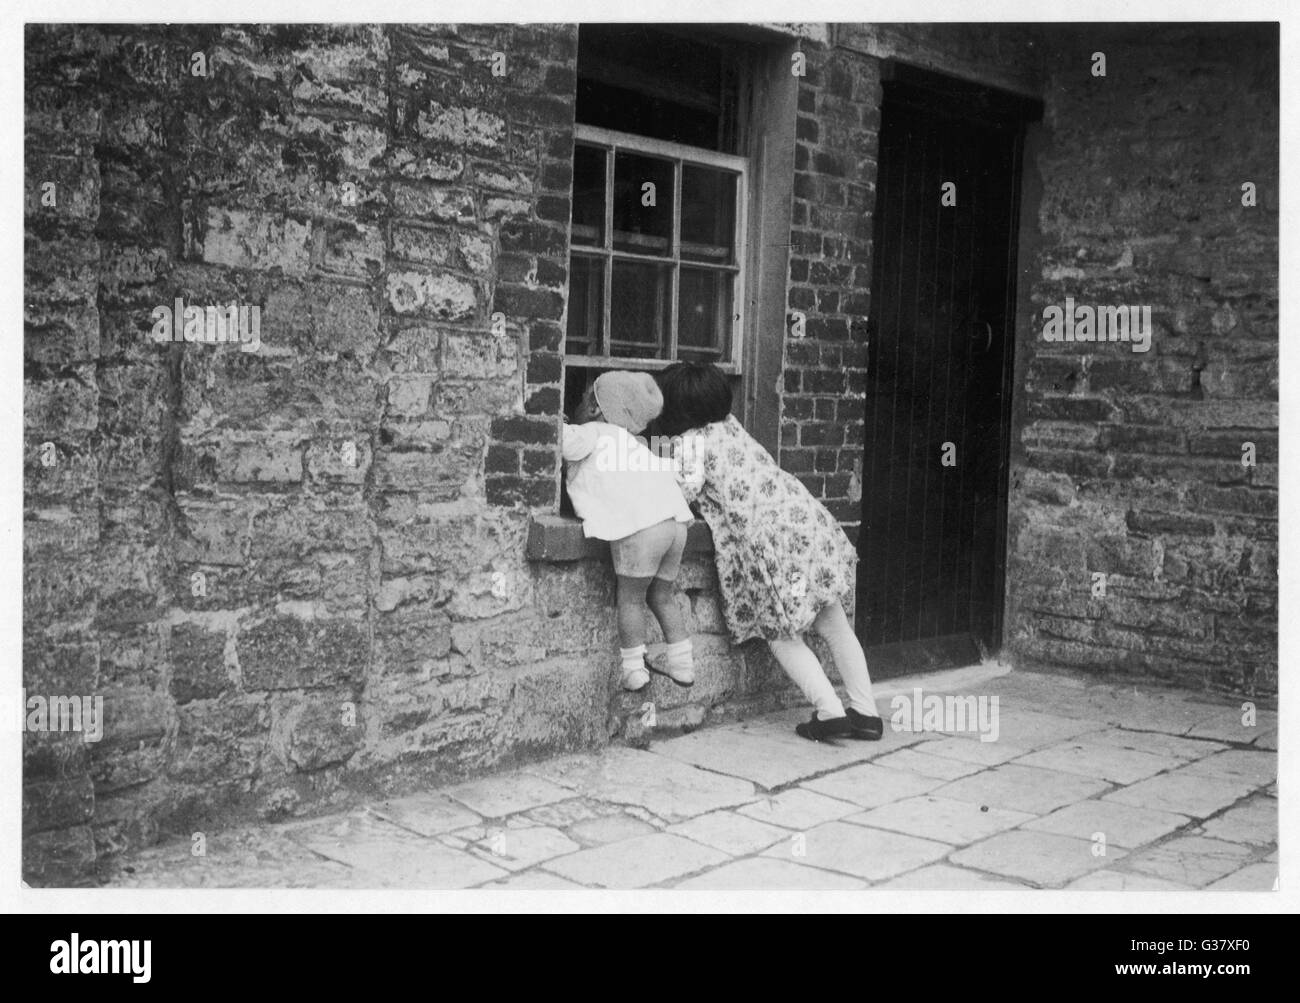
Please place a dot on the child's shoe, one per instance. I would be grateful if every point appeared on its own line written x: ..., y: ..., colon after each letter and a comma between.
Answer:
x: 819, y: 730
x: 864, y: 727
x: 677, y: 663
x: 635, y: 676
x: 635, y: 679
x: 683, y: 677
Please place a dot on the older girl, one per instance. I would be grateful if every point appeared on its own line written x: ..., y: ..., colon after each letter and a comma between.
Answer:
x: 784, y: 564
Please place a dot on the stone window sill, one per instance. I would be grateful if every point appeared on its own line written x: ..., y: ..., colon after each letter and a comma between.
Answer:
x: 557, y: 538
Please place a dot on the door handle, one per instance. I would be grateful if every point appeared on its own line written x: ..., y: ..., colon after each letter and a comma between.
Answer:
x: 988, y: 336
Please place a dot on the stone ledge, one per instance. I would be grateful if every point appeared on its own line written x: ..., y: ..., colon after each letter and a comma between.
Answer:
x: 559, y: 538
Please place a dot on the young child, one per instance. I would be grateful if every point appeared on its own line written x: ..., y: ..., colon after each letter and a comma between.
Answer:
x: 784, y: 563
x: 628, y: 496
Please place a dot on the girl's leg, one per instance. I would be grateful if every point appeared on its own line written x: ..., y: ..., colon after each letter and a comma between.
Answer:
x: 801, y: 665
x: 632, y: 630
x: 846, y: 649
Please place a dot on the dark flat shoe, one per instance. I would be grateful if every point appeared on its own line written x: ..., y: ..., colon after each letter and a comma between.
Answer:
x: 821, y: 731
x: 864, y: 727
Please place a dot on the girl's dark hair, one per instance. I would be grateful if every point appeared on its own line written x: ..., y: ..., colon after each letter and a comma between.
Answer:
x: 695, y: 394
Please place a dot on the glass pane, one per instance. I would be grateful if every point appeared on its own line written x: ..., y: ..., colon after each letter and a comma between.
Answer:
x: 589, y: 195
x: 708, y: 215
x: 640, y: 308
x: 643, y: 204
x: 586, y: 305
x: 704, y: 315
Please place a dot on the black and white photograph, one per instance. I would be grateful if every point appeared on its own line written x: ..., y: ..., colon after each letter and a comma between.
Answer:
x: 649, y: 453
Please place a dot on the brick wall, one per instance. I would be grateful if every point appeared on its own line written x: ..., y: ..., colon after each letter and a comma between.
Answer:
x: 824, y: 383
x: 1130, y: 464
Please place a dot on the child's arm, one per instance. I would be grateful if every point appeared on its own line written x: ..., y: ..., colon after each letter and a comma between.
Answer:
x: 578, y: 441
x: 690, y: 466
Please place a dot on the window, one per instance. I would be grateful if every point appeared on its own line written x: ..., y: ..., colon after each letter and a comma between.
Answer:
x: 656, y: 248
x: 658, y: 255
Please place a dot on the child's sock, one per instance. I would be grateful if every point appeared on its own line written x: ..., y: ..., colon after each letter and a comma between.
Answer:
x: 680, y: 661
x: 635, y: 674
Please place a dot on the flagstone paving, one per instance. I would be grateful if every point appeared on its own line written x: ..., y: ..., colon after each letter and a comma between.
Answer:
x: 1087, y: 787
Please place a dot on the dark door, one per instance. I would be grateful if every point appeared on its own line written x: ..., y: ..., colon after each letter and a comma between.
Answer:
x: 940, y: 333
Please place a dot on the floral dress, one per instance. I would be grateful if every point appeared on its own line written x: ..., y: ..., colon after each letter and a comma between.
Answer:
x: 781, y: 556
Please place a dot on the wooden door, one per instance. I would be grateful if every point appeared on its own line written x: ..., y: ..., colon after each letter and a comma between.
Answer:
x: 932, y: 541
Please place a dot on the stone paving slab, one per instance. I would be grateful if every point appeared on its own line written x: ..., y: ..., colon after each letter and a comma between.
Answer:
x: 610, y: 829
x: 1118, y: 881
x: 872, y: 854
x: 1226, y: 724
x: 537, y: 880
x: 730, y: 832
x: 1101, y: 760
x: 767, y: 874
x: 517, y: 849
x: 387, y: 856
x: 1190, y: 860
x: 1066, y: 695
x: 798, y: 809
x: 1123, y: 825
x: 1185, y: 794
x: 671, y: 790
x: 978, y: 754
x: 1043, y: 858
x: 1255, y: 878
x: 239, y: 858
x: 507, y: 793
x: 1157, y: 743
x: 563, y: 814
x: 1254, y: 768
x: 918, y: 760
x: 946, y: 878
x: 1181, y: 714
x: 1253, y: 821
x: 1022, y: 788
x: 766, y: 759
x: 636, y: 863
x: 1169, y: 711
x: 869, y: 785
x: 427, y: 814
x: 1030, y: 729
x: 943, y: 819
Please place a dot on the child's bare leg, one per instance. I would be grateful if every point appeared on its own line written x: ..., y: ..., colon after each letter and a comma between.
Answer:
x: 632, y: 630
x: 846, y: 649
x: 663, y: 604
x: 679, y: 655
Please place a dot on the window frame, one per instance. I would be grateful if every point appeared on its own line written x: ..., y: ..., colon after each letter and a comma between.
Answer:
x: 680, y: 154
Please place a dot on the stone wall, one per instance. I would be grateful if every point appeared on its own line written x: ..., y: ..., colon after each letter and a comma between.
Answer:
x: 305, y: 572
x: 1129, y: 465
x: 300, y: 572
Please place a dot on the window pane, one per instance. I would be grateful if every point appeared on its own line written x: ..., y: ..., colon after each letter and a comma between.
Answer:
x: 639, y: 309
x: 708, y: 215
x: 586, y: 305
x: 704, y: 315
x: 589, y: 195
x: 639, y: 227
